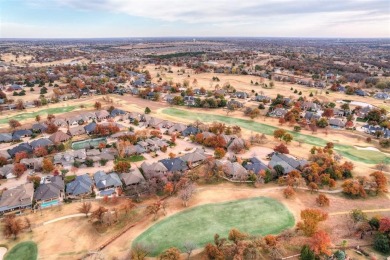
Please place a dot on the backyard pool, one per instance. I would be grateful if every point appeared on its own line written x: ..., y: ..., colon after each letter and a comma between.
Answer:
x: 88, y: 143
x: 49, y: 204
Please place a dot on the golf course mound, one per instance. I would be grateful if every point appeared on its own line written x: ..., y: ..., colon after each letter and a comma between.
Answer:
x: 256, y: 216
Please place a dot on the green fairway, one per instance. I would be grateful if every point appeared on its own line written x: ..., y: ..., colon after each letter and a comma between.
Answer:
x: 199, y: 225
x: 42, y: 113
x: 348, y: 151
x: 23, y: 251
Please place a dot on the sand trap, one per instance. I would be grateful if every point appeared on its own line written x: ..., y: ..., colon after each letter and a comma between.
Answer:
x: 367, y: 148
x: 3, y: 250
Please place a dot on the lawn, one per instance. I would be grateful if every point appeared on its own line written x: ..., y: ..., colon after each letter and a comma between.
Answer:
x: 199, y: 224
x: 350, y: 152
x: 23, y: 251
x: 42, y: 113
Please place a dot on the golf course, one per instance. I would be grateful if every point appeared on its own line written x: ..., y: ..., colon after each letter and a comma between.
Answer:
x: 198, y: 225
x: 23, y: 251
x: 348, y: 151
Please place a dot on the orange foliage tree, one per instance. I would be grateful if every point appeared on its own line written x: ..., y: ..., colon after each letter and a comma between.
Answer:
x: 310, y: 219
x: 320, y: 243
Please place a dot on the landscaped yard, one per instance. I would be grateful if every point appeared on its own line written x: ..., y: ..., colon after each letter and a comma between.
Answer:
x: 369, y: 157
x: 23, y: 251
x: 259, y: 215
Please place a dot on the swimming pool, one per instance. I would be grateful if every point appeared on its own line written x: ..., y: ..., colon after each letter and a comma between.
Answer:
x: 49, y: 203
x: 88, y: 143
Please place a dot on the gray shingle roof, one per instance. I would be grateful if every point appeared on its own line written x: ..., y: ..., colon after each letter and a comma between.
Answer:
x: 81, y: 185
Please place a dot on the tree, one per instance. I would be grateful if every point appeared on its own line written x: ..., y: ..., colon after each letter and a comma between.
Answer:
x: 380, y: 180
x: 235, y: 235
x: 170, y: 254
x: 354, y: 188
x: 122, y: 166
x: 213, y: 252
x: 219, y: 152
x: 139, y: 251
x: 98, y: 105
x: 27, y: 223
x: 320, y: 243
x: 287, y: 138
x: 147, y: 110
x: 186, y: 193
x: 20, y: 155
x: 328, y: 113
x: 3, y: 161
x: 38, y: 118
x: 19, y: 169
x: 14, y: 123
x: 51, y: 128
x: 322, y: 200
x: 307, y: 253
x: 382, y: 243
x: 50, y: 117
x: 169, y: 188
x: 357, y: 215
x: 85, y: 208
x: 188, y: 247
x: 99, y: 213
x: 40, y: 151
x: 279, y: 133
x: 281, y: 148
x: 12, y: 226
x: 385, y: 143
x: 270, y: 240
x: 313, y: 187
x: 384, y: 225
x: 288, y: 192
x: 310, y: 219
x: 47, y: 165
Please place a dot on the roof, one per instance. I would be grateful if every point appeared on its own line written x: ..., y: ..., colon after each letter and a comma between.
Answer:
x: 288, y: 163
x: 43, y: 142
x: 39, y: 126
x: 5, y: 137
x: 236, y: 170
x: 191, y: 130
x: 153, y: 169
x: 132, y: 177
x: 103, y: 180
x: 193, y: 157
x: 175, y: 164
x: 20, y: 196
x: 51, y: 190
x: 22, y: 132
x: 255, y: 165
x: 81, y: 185
x: 90, y: 127
x: 102, y: 114
x: 59, y: 137
x: 23, y: 147
x: 77, y: 130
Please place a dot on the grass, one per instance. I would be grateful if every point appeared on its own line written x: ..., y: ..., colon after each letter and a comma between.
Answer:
x: 42, y: 113
x: 348, y: 151
x: 199, y: 224
x: 23, y: 251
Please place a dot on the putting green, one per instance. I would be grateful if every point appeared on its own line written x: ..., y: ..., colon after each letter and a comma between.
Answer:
x: 199, y: 224
x: 348, y: 151
x: 23, y: 251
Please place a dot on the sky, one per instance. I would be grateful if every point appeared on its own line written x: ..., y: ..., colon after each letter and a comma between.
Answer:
x: 219, y: 18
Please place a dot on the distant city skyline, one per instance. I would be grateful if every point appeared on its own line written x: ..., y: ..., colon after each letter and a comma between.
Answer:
x: 200, y: 18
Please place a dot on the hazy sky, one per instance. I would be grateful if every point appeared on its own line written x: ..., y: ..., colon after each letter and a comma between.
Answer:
x: 137, y: 18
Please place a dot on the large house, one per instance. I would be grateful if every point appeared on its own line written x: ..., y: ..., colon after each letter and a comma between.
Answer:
x: 106, y: 183
x: 287, y: 162
x: 18, y: 198
x: 81, y: 186
x: 134, y: 177
x: 50, y: 192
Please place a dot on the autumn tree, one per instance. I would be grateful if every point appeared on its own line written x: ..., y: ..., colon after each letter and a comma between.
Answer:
x: 320, y: 243
x: 279, y: 133
x: 310, y: 220
x: 170, y: 254
x: 51, y: 128
x: 50, y: 117
x: 236, y: 235
x: 140, y: 251
x: 380, y: 180
x: 40, y: 151
x: 14, y: 123
x: 20, y: 155
x: 3, y: 161
x: 219, y: 152
x: 97, y: 105
x: 186, y: 193
x: 27, y: 224
x: 384, y: 225
x: 38, y: 118
x: 19, y: 169
x: 85, y: 208
x: 169, y: 188
x: 287, y: 138
x: 281, y: 148
x: 288, y: 192
x: 154, y: 209
x: 47, y: 165
x: 99, y: 213
x: 12, y: 226
x: 313, y: 187
x: 322, y: 200
x: 354, y: 188
x: 122, y: 166
x: 328, y: 113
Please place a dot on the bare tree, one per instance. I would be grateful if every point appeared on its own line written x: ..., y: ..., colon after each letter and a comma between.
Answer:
x: 186, y: 193
x: 27, y: 223
x: 85, y: 208
x: 140, y: 252
x: 188, y: 247
x: 12, y: 226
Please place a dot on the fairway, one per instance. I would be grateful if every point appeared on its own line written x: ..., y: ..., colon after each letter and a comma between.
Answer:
x: 199, y: 224
x: 23, y: 251
x: 348, y: 151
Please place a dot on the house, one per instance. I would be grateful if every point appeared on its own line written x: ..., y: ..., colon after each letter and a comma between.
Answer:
x: 262, y: 98
x: 78, y: 130
x: 382, y: 95
x: 59, y: 137
x: 233, y: 170
x: 255, y: 165
x: 194, y: 158
x: 60, y: 122
x: 155, y: 123
x: 22, y: 133
x: 50, y: 192
x: 311, y: 116
x: 236, y: 144
x: 90, y: 128
x: 234, y: 103
x: 241, y: 95
x: 106, y: 182
x: 189, y: 100
x: 134, y: 149
x: 288, y: 163
x: 278, y: 112
x: 191, y: 130
x: 17, y: 198
x: 39, y: 127
x: 42, y: 142
x: 117, y: 112
x: 69, y: 157
x: 336, y: 123
x: 7, y: 171
x: 175, y: 165
x: 80, y: 187
x: 176, y: 128
x: 5, y: 137
x: 102, y: 114
x: 360, y: 92
x: 134, y: 177
x: 32, y: 163
x: 151, y: 170
x: 23, y: 147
